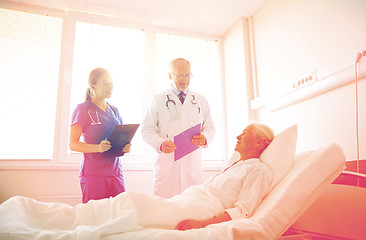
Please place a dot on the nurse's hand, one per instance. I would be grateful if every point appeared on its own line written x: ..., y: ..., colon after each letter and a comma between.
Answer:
x: 199, y: 140
x: 127, y: 148
x: 167, y: 147
x: 104, y: 145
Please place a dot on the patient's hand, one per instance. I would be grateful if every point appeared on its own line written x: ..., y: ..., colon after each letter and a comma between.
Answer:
x: 190, y: 224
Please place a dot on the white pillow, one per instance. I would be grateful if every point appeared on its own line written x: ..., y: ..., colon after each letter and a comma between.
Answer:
x: 280, y: 154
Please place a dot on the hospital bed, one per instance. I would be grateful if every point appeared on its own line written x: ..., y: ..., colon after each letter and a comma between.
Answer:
x: 298, y: 182
x: 339, y: 213
x: 311, y: 173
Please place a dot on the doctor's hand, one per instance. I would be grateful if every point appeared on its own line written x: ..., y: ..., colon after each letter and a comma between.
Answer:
x: 167, y: 147
x: 104, y: 145
x: 127, y: 148
x: 199, y: 140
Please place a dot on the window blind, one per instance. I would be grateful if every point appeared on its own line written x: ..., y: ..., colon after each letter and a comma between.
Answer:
x: 30, y: 46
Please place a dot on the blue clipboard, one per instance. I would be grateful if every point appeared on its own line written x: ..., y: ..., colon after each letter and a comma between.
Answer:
x: 120, y: 136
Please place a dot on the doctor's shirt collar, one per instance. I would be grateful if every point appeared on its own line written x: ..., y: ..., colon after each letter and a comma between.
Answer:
x: 176, y: 91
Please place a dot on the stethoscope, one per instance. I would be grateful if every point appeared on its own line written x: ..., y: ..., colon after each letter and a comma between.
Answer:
x: 193, y: 101
x: 171, y: 101
x: 98, y: 122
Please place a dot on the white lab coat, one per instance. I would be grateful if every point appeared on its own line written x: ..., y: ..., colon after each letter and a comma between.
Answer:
x: 162, y: 123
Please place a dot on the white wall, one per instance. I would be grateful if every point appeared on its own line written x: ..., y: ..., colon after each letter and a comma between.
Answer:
x: 38, y: 183
x: 294, y: 37
x: 62, y: 184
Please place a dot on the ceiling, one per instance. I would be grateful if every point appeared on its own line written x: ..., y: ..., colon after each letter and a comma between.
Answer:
x: 203, y: 16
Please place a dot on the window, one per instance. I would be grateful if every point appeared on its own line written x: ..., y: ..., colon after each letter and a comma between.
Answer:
x: 29, y: 69
x: 121, y: 52
x: 32, y: 68
x: 205, y: 66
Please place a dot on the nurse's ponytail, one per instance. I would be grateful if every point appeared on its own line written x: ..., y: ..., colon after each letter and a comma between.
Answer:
x: 93, y: 78
x: 88, y: 94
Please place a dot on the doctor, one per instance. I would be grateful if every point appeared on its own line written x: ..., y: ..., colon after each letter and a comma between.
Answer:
x: 170, y: 113
x: 94, y: 120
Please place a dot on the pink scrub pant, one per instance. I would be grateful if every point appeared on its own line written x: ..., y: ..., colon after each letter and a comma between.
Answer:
x: 99, y: 187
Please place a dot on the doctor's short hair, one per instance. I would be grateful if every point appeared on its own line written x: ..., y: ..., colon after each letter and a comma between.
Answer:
x: 177, y: 61
x: 93, y: 78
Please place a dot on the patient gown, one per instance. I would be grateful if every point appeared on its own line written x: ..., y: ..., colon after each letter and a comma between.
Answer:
x: 237, y: 190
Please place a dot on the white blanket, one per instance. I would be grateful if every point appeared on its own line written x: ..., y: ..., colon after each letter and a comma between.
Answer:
x: 127, y: 212
x: 139, y: 216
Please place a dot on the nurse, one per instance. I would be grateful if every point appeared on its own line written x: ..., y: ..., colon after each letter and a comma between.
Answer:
x: 93, y: 120
x: 172, y: 112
